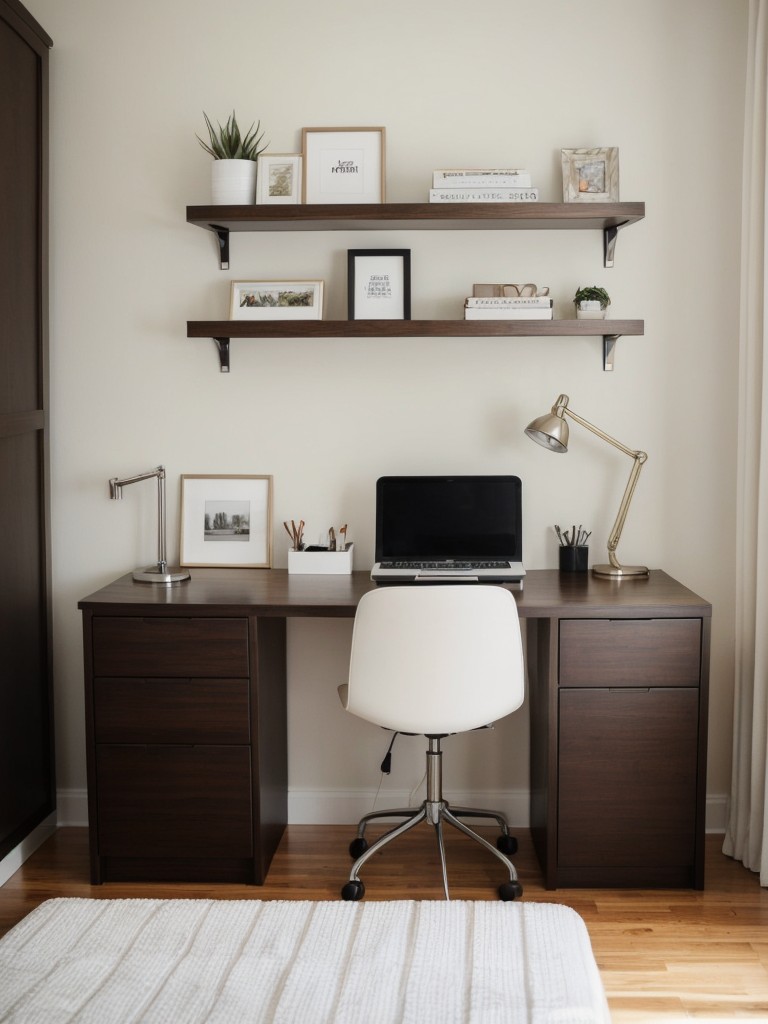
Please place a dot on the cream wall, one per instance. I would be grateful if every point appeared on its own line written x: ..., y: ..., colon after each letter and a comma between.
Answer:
x: 454, y: 84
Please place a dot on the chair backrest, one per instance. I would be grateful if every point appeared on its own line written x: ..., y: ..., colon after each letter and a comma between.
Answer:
x: 436, y: 659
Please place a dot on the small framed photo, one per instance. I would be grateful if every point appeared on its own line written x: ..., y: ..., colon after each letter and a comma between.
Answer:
x: 343, y: 165
x: 226, y: 521
x: 276, y: 300
x: 590, y: 175
x: 379, y: 284
x: 278, y: 178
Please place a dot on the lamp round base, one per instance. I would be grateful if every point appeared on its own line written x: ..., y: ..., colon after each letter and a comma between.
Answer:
x: 152, y: 574
x: 620, y: 573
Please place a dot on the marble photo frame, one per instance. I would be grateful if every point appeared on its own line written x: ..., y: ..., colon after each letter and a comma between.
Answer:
x: 590, y: 175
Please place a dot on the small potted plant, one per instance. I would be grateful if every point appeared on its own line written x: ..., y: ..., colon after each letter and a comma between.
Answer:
x: 233, y: 173
x: 591, y: 303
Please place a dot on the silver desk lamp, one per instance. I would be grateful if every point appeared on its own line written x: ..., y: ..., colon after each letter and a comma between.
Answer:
x: 160, y: 573
x: 551, y: 431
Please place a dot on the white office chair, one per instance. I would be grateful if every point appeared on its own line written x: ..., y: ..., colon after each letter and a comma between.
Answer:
x: 434, y: 660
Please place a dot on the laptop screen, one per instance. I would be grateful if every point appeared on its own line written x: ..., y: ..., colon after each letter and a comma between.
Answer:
x: 434, y: 517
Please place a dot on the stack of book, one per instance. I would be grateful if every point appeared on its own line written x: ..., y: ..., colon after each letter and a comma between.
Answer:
x: 508, y: 307
x: 484, y: 185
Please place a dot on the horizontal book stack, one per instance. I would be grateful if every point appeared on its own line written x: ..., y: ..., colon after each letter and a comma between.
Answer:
x: 505, y: 302
x: 483, y: 185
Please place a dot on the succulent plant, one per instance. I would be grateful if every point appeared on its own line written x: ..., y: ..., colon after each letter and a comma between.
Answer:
x: 228, y: 143
x: 593, y: 294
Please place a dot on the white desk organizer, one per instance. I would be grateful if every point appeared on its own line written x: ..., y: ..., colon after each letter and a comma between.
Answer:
x: 321, y: 563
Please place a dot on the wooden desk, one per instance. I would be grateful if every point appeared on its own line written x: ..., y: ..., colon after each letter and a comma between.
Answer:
x: 186, y: 723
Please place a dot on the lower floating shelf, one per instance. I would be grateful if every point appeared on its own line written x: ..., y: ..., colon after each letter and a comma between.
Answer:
x: 223, y: 330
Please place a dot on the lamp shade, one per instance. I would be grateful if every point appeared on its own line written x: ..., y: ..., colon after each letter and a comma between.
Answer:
x: 550, y: 431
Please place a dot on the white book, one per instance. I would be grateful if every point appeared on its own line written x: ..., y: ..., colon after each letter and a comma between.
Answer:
x: 503, y: 177
x: 483, y: 195
x: 501, y: 313
x: 523, y: 302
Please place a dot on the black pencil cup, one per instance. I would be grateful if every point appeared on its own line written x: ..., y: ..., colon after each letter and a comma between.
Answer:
x: 574, y: 559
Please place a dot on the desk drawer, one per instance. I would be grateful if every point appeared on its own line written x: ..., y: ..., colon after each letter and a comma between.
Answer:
x: 630, y: 652
x: 171, y: 710
x: 170, y: 648
x: 157, y: 801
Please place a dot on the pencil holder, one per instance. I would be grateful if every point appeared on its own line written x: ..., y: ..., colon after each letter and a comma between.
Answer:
x: 321, y: 563
x: 574, y: 559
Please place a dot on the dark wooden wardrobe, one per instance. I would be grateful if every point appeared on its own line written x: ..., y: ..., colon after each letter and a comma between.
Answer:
x: 27, y: 784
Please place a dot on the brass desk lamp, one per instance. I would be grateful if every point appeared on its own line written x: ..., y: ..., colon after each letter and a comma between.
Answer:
x: 551, y: 431
x: 162, y: 572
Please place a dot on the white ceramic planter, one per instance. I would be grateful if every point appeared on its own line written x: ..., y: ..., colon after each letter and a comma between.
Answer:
x: 233, y: 182
x: 589, y: 310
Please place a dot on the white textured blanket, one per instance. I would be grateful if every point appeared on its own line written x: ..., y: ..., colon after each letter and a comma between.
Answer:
x: 240, y: 961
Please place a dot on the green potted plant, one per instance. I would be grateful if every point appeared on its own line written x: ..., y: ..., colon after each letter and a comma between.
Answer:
x: 591, y: 303
x: 233, y: 172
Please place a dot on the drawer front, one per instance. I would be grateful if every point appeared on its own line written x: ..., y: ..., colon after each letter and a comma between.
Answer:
x: 630, y: 652
x: 171, y: 710
x: 170, y: 648
x: 157, y: 801
x: 627, y: 778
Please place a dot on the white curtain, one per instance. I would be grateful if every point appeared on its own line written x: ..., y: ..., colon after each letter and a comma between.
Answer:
x: 747, y: 835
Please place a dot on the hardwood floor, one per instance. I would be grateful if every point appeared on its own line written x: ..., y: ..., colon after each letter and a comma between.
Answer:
x: 664, y: 955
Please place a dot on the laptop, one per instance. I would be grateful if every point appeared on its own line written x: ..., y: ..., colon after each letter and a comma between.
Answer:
x: 432, y: 529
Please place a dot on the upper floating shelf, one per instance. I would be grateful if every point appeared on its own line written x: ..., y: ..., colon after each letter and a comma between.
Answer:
x: 606, y: 217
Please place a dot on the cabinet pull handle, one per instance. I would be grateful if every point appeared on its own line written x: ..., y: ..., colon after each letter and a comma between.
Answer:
x: 629, y: 689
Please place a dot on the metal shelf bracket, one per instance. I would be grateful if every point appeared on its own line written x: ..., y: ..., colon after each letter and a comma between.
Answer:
x: 610, y: 234
x: 222, y: 344
x: 609, y: 350
x: 223, y: 236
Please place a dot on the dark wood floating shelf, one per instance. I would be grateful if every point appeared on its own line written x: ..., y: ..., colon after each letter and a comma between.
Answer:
x: 606, y: 217
x: 223, y: 330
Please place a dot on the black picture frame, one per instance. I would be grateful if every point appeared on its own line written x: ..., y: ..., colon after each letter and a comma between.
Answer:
x: 379, y: 284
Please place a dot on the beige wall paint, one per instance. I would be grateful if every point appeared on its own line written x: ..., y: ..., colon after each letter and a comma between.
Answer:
x: 457, y: 84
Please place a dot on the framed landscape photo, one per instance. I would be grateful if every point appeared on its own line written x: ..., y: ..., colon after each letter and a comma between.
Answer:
x: 276, y: 300
x: 226, y: 521
x: 278, y: 178
x: 590, y: 175
x: 379, y: 284
x: 343, y: 165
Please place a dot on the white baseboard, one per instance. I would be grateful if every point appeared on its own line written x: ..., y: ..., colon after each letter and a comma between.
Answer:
x: 347, y: 806
x: 717, y: 813
x: 12, y: 861
x: 72, y: 806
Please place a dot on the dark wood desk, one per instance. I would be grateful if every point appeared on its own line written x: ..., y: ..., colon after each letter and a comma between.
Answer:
x: 186, y: 723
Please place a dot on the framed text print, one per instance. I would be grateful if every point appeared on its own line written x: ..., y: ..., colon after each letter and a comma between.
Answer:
x: 343, y: 165
x: 379, y: 284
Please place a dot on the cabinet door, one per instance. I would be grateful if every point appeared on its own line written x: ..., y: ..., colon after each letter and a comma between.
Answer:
x: 27, y: 790
x: 174, y: 801
x: 627, y: 785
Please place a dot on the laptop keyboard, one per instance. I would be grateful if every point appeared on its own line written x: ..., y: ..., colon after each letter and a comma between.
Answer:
x: 445, y: 565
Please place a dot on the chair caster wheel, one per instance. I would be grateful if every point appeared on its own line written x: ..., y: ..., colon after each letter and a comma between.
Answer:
x: 358, y: 847
x: 510, y: 891
x: 353, y: 891
x: 507, y: 844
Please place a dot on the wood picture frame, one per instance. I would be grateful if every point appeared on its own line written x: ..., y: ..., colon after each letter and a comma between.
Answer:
x: 278, y: 179
x: 276, y: 300
x: 226, y: 521
x: 343, y: 165
x: 379, y: 284
x: 590, y: 175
